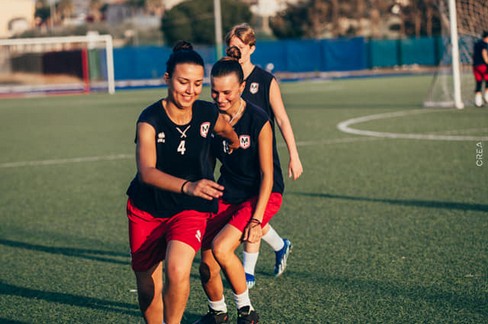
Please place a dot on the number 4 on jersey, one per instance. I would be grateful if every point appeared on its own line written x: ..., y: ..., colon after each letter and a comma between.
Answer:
x: 181, y: 148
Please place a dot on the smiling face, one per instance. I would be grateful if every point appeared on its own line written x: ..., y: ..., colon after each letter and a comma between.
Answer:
x: 185, y: 84
x: 226, y: 92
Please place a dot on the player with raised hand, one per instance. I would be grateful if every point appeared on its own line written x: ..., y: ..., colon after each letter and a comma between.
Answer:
x: 263, y: 90
x: 173, y: 193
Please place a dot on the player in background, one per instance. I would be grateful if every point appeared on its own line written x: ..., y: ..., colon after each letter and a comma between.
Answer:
x: 173, y: 195
x: 263, y: 90
x: 248, y: 202
x: 480, y: 69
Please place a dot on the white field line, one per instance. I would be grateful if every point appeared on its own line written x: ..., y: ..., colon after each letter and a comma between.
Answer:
x: 345, y: 127
x: 131, y: 156
x: 66, y: 161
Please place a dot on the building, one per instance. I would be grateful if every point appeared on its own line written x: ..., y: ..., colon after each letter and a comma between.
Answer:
x: 16, y: 16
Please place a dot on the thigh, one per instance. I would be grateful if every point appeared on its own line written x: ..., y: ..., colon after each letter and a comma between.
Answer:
x: 146, y: 238
x: 188, y: 227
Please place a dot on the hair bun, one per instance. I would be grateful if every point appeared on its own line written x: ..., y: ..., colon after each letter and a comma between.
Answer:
x: 234, y: 52
x: 182, y: 45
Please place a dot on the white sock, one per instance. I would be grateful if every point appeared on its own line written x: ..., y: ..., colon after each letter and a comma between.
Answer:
x: 249, y: 261
x: 273, y: 239
x: 219, y: 305
x: 242, y: 300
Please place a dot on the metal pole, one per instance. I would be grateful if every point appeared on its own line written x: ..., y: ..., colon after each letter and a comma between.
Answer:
x: 458, y: 102
x: 218, y: 29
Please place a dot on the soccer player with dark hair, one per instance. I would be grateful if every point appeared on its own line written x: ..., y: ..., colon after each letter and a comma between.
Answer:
x: 173, y: 193
x: 248, y: 202
x: 480, y: 69
x: 263, y: 90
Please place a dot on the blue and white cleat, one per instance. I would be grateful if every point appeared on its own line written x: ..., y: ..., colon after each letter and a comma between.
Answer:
x: 281, y: 258
x: 250, y: 280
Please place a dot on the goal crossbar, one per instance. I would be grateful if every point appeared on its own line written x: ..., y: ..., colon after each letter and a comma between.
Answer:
x: 88, y: 39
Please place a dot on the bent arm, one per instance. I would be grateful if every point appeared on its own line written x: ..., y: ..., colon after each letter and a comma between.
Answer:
x: 146, y: 161
x: 253, y: 231
x: 266, y: 166
x: 224, y: 129
x: 484, y: 53
x: 295, y: 167
x: 146, y: 157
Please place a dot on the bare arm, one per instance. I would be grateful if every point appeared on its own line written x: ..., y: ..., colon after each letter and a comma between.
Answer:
x: 484, y: 53
x: 253, y: 231
x: 224, y: 129
x: 149, y: 174
x: 295, y: 168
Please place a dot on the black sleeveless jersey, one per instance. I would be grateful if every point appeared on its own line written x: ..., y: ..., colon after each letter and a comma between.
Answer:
x: 182, y: 151
x: 479, y: 46
x: 258, y: 84
x: 240, y: 172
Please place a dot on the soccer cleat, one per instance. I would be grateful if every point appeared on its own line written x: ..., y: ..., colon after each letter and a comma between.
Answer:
x: 213, y: 317
x: 478, y: 100
x: 281, y: 258
x: 246, y: 315
x: 250, y: 280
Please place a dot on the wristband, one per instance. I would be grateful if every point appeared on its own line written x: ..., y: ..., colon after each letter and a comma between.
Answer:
x: 183, y: 186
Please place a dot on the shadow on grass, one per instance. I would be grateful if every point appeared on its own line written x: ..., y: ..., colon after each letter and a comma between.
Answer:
x: 407, y: 202
x: 69, y: 299
x: 383, y: 290
x: 89, y: 254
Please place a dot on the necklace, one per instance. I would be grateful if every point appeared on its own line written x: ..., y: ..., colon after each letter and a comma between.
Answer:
x: 238, y: 112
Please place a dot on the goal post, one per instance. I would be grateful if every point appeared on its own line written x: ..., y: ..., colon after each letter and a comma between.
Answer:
x: 57, y: 64
x: 462, y: 23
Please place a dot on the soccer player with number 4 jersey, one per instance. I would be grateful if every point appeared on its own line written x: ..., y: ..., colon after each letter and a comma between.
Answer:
x: 173, y: 194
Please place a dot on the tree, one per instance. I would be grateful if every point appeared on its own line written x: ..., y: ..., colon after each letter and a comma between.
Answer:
x: 194, y: 20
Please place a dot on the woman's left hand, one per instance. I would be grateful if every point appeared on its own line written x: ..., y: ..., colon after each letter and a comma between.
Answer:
x: 253, y: 232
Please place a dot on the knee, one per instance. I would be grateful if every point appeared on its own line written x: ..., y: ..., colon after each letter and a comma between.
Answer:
x: 221, y: 253
x: 177, y: 273
x: 207, y: 272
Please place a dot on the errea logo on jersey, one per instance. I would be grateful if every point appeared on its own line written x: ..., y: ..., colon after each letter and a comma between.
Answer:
x: 244, y: 141
x: 161, y: 138
x: 204, y: 128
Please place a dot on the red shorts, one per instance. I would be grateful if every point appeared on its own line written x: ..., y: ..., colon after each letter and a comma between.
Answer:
x: 149, y: 235
x: 238, y: 215
x: 480, y: 72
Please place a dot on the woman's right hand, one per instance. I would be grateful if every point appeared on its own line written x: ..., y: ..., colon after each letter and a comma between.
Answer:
x: 204, y: 188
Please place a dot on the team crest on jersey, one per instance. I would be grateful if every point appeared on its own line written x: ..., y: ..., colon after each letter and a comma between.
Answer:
x: 254, y: 88
x: 204, y: 128
x: 244, y: 141
x: 161, y: 138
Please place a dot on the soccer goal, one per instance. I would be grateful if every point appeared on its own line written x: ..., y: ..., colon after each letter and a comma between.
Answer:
x: 56, y: 65
x: 462, y: 22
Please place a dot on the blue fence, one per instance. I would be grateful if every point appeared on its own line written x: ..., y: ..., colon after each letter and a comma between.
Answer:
x: 351, y: 54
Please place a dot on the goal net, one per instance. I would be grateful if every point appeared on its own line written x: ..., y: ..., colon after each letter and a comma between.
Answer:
x: 56, y: 65
x: 453, y: 82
